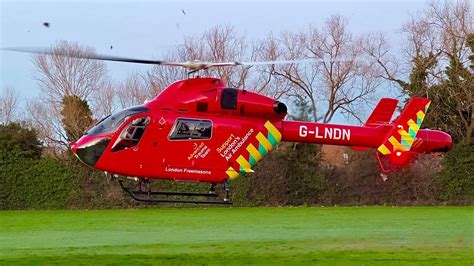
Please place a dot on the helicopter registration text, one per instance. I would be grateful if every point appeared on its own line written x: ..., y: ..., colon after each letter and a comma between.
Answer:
x: 326, y: 133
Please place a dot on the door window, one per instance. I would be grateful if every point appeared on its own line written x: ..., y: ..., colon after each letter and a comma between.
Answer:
x: 131, y: 134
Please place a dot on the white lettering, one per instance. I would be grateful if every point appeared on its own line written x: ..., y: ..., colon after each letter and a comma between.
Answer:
x: 317, y: 134
x: 231, y: 146
x: 189, y: 171
x: 337, y: 133
x: 303, y: 131
x: 328, y: 133
x: 242, y: 141
x: 174, y: 170
x: 346, y: 134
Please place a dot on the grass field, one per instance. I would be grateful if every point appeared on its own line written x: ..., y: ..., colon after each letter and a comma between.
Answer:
x: 379, y: 235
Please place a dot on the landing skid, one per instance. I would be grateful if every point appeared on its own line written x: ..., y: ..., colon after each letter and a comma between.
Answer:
x: 149, y: 196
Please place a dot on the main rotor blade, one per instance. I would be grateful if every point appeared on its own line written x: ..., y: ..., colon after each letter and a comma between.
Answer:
x: 189, y: 65
x: 90, y: 56
x: 277, y: 62
x: 295, y: 61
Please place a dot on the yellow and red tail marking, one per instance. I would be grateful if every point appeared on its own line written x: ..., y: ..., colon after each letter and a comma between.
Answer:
x: 404, y: 130
x: 253, y: 154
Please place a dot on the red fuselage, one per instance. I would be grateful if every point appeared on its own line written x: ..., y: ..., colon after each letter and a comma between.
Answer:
x: 199, y: 130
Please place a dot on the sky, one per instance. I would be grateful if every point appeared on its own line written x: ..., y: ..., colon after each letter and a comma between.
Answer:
x: 149, y: 29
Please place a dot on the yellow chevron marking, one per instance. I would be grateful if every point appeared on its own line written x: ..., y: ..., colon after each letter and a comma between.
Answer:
x: 273, y: 130
x: 232, y: 173
x: 383, y: 149
x: 413, y: 125
x: 420, y: 115
x: 254, y: 152
x: 406, y: 137
x: 244, y: 164
x: 396, y: 145
x: 264, y: 141
x: 402, y: 132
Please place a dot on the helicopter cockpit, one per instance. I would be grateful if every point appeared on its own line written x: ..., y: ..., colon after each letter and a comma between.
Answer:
x: 112, y: 122
x: 92, y: 145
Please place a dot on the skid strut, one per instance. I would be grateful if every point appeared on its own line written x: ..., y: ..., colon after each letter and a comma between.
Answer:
x: 145, y: 194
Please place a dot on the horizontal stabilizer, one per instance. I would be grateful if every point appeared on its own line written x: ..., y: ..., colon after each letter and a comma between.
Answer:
x: 382, y: 113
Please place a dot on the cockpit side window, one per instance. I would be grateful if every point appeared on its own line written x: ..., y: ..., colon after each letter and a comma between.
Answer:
x: 185, y: 128
x: 131, y: 134
x: 113, y: 122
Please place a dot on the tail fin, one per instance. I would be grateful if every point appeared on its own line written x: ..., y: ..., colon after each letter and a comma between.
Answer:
x: 405, y: 128
x: 382, y: 114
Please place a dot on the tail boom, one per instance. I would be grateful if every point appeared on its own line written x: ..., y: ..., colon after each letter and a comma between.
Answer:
x: 426, y: 140
x: 333, y: 134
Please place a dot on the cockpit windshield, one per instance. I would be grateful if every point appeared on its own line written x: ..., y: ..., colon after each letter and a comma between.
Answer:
x: 112, y: 122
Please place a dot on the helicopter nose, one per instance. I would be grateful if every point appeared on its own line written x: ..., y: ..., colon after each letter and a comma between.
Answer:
x: 89, y: 151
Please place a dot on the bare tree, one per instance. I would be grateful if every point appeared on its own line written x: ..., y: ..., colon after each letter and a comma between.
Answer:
x: 8, y: 105
x: 61, y: 74
x: 453, y: 21
x: 267, y: 81
x: 104, y: 100
x: 435, y: 64
x: 218, y: 44
x: 437, y: 33
x: 42, y: 118
x: 160, y: 77
x: 337, y: 79
x: 133, y: 91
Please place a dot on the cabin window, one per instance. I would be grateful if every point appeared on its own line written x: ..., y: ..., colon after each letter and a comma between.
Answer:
x: 185, y: 128
x: 131, y: 134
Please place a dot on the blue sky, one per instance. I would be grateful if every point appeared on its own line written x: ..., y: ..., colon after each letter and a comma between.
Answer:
x: 148, y: 29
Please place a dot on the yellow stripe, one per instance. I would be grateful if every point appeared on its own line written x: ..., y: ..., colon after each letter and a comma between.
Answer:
x: 272, y: 129
x: 264, y: 141
x: 396, y: 145
x: 428, y: 104
x: 413, y: 125
x: 254, y: 152
x: 232, y: 173
x: 405, y: 136
x: 244, y: 164
x: 420, y: 115
x: 383, y: 149
x: 403, y: 132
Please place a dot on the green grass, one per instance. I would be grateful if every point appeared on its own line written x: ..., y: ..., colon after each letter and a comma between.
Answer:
x: 364, y: 235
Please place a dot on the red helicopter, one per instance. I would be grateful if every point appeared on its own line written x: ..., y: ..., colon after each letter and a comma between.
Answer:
x: 198, y: 129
